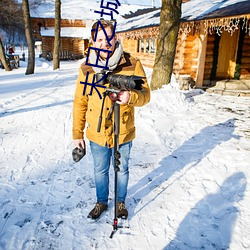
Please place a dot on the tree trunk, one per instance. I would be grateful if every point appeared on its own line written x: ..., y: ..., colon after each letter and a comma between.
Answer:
x: 56, y: 59
x: 3, y: 57
x: 165, y: 54
x: 28, y: 33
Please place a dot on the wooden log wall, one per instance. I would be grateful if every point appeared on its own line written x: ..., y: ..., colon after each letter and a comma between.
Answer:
x: 66, y: 44
x: 146, y: 59
x: 185, y: 59
x: 178, y: 61
x: 47, y: 45
x: 186, y: 55
x: 79, y: 46
x: 50, y: 22
x: 73, y: 45
x: 131, y: 46
x: 190, y: 56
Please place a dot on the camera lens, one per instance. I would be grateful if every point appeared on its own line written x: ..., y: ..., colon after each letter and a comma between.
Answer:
x: 113, y: 96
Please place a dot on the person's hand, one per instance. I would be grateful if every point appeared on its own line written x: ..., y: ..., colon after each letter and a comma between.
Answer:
x: 78, y: 152
x: 79, y: 143
x: 123, y: 97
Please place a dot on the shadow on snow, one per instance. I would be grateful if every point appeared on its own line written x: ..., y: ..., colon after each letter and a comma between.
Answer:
x: 23, y: 110
x: 190, y: 153
x: 211, y: 221
x: 209, y: 225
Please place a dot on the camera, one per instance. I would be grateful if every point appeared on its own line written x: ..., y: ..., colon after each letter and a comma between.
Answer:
x: 78, y: 153
x: 121, y: 82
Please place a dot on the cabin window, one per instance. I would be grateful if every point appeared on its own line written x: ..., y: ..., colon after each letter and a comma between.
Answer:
x: 152, y: 45
x: 140, y: 46
x: 146, y: 45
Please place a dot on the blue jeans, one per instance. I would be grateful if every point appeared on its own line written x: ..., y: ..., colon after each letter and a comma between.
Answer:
x: 102, y: 158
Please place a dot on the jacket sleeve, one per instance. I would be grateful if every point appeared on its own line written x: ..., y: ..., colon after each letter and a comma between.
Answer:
x: 141, y: 97
x: 80, y: 106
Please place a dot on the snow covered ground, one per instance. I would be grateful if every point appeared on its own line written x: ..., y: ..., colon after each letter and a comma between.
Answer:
x: 189, y: 170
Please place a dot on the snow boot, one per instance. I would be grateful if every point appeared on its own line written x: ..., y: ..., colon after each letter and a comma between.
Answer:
x: 122, y: 211
x: 97, y: 210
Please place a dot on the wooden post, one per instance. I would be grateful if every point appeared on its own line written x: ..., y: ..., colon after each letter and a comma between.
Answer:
x: 140, y: 45
x: 201, y: 60
x: 149, y: 45
x: 145, y: 45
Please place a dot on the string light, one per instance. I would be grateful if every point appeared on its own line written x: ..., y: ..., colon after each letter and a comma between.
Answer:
x: 218, y: 25
x: 140, y: 33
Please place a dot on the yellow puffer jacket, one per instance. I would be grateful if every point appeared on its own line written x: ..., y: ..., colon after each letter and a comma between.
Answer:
x: 86, y: 108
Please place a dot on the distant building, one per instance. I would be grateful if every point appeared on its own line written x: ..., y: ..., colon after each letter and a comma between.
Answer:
x: 74, y: 36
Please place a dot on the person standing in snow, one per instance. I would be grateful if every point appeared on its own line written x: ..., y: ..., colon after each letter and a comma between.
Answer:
x: 86, y: 109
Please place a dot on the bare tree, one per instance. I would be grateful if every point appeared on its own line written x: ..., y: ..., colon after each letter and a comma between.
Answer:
x: 11, y: 24
x: 169, y: 27
x: 56, y: 59
x: 36, y: 3
x: 11, y: 16
x: 28, y: 33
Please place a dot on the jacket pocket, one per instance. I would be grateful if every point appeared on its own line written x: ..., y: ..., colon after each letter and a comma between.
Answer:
x: 126, y: 120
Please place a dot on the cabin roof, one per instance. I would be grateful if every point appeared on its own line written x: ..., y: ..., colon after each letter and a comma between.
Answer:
x: 79, y: 32
x: 208, y: 9
x: 193, y: 10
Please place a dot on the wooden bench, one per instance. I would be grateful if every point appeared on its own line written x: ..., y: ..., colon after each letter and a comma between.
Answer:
x: 13, y: 61
x: 63, y: 55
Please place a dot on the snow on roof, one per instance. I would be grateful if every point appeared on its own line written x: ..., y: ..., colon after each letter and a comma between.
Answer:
x: 81, y: 9
x: 192, y: 10
x: 79, y: 32
x: 197, y: 9
x: 139, y: 21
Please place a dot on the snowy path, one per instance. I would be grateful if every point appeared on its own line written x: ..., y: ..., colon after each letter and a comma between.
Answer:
x: 189, y: 171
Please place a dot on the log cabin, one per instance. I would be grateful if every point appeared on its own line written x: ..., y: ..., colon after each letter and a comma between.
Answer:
x: 213, y: 41
x: 74, y: 37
